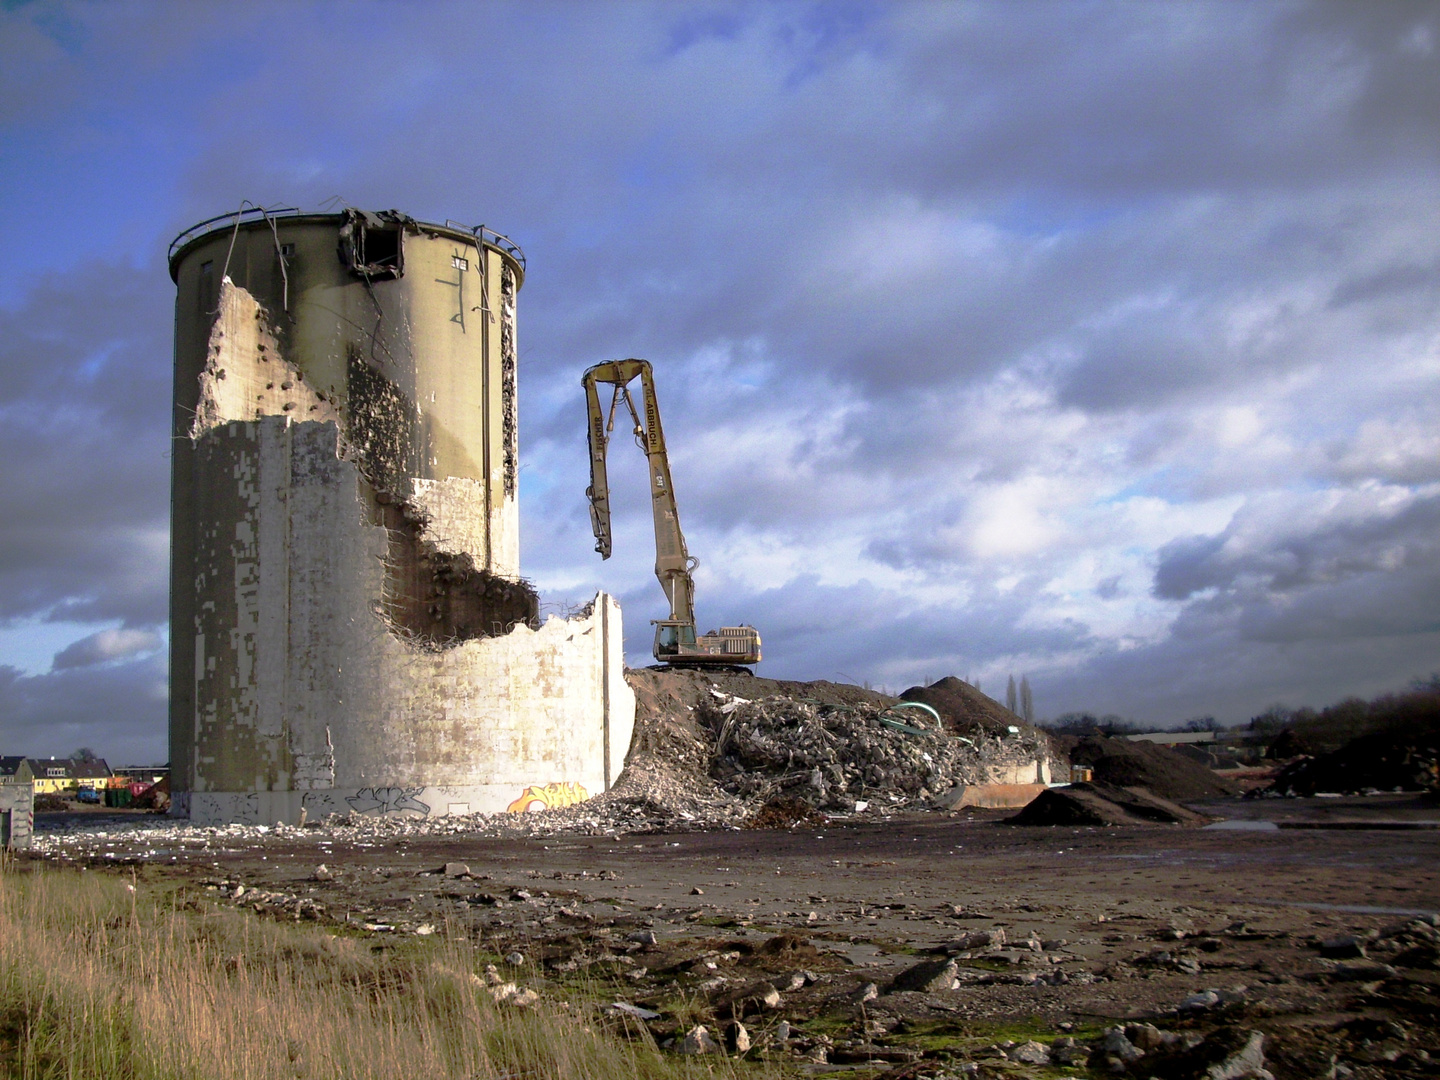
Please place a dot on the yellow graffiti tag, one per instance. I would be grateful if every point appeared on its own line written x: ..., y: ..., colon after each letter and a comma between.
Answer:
x: 549, y: 797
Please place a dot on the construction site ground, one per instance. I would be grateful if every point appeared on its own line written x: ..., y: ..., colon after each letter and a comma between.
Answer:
x: 1311, y: 920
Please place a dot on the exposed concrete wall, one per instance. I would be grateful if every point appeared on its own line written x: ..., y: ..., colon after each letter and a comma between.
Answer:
x: 306, y: 697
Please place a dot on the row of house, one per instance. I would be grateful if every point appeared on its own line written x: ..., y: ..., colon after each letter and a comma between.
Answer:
x: 60, y: 776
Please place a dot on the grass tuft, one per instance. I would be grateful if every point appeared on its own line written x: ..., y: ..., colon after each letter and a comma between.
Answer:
x: 106, y: 976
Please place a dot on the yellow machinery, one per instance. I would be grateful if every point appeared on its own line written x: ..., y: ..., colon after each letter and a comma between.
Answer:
x: 676, y: 642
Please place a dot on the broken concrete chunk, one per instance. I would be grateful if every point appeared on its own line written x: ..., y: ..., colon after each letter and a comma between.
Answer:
x: 868, y: 992
x: 978, y: 939
x: 1118, y: 1046
x: 1029, y: 1053
x: 697, y: 1041
x: 1347, y: 947
x: 635, y: 1010
x: 926, y: 977
x: 737, y: 1038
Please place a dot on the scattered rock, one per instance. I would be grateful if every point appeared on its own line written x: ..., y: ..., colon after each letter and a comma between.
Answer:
x: 756, y: 997
x: 1065, y: 1051
x: 636, y: 1011
x: 1360, y: 971
x: 737, y: 1038
x: 1029, y: 1053
x: 866, y: 993
x: 456, y: 870
x: 1342, y: 948
x: 515, y: 959
x: 1119, y: 1048
x: 322, y: 873
x: 926, y: 977
x: 697, y: 1041
x: 978, y: 939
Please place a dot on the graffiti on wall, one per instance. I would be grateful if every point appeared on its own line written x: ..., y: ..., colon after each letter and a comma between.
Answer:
x: 548, y: 797
x: 388, y: 800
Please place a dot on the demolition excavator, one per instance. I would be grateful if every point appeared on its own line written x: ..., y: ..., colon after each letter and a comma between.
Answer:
x: 676, y: 642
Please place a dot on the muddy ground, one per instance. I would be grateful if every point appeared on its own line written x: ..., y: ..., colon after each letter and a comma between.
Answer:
x: 801, y: 933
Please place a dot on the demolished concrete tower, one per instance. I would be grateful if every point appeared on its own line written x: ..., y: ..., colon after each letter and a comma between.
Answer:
x: 349, y: 628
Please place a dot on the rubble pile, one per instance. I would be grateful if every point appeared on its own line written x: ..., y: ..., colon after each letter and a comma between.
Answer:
x: 845, y: 757
x: 1385, y: 761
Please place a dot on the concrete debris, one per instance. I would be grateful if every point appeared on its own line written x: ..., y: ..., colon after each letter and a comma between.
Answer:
x: 737, y: 1038
x: 697, y: 1041
x: 835, y: 755
x: 636, y: 1011
x: 926, y: 977
x: 1029, y: 1053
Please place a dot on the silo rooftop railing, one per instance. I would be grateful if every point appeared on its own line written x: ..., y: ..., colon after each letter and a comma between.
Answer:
x: 481, y: 233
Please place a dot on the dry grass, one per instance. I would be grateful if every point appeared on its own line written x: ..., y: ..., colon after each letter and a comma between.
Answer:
x: 103, y: 978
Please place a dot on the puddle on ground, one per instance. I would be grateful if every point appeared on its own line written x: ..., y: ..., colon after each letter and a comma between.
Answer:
x: 1242, y: 825
x: 1350, y: 909
x: 860, y: 954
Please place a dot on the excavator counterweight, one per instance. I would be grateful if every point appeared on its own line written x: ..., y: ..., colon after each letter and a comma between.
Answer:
x: 676, y: 642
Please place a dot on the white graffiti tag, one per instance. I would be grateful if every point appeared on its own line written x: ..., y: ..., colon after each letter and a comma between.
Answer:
x: 387, y: 800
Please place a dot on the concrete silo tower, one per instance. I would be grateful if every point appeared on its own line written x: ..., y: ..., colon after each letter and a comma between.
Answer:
x: 349, y: 628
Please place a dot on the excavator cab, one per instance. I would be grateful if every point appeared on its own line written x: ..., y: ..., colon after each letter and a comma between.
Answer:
x: 676, y: 642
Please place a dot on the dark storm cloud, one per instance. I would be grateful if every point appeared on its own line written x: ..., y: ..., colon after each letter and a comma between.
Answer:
x: 118, y: 709
x: 84, y: 417
x: 1324, y: 549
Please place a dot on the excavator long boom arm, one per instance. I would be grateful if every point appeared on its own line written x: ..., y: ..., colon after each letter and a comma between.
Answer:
x: 673, y: 563
x: 675, y: 638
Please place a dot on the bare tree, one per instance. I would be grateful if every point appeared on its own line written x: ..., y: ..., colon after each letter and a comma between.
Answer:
x: 1010, y: 694
x: 1027, y: 704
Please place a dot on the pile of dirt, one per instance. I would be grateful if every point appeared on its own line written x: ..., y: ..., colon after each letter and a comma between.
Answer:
x: 1385, y: 761
x: 1104, y: 804
x: 1122, y: 763
x: 964, y: 709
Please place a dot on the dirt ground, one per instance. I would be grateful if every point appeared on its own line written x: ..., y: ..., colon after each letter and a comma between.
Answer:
x: 1311, y: 920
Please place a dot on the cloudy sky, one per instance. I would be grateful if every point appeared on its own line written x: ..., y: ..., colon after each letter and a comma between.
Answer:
x: 1096, y: 342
